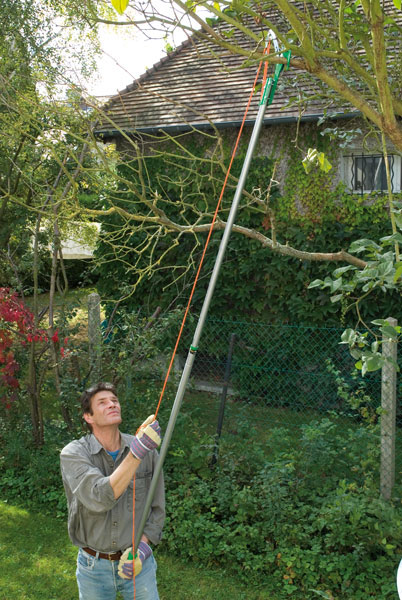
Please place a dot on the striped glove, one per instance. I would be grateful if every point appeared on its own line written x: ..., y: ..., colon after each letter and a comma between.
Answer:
x: 127, y: 564
x: 148, y: 438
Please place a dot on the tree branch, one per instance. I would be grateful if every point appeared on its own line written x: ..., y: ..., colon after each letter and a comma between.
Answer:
x: 266, y: 242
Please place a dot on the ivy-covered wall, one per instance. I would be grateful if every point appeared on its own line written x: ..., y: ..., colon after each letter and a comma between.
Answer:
x: 313, y: 212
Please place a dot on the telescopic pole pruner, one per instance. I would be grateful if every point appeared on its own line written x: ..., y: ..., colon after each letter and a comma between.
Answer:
x: 266, y: 99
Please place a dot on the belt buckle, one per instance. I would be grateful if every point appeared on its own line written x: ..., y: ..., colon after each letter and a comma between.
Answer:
x: 110, y: 554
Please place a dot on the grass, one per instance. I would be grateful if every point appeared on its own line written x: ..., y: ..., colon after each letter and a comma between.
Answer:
x: 72, y: 297
x: 38, y: 563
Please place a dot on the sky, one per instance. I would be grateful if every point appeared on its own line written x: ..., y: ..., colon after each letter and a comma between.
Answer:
x: 125, y: 56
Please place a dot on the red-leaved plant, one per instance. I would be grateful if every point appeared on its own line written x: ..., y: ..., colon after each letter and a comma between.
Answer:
x: 17, y: 328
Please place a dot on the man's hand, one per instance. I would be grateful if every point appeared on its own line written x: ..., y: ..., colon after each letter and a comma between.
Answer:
x: 148, y: 438
x: 125, y: 568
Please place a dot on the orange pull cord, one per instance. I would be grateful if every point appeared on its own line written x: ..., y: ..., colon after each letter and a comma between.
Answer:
x: 133, y: 535
x: 210, y: 233
x: 266, y: 51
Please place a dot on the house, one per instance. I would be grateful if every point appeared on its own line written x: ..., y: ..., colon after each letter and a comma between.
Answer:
x: 197, y: 87
x: 80, y: 241
x: 197, y: 91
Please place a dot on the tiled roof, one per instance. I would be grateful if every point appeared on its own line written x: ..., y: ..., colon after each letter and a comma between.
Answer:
x: 193, y: 85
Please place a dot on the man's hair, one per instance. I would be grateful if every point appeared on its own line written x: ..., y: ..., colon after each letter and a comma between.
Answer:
x: 87, y: 395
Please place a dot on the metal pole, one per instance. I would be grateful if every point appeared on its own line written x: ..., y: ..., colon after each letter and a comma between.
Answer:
x: 228, y: 369
x: 201, y: 321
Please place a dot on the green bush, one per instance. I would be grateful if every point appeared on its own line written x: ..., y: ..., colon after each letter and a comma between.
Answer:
x: 295, y: 511
x: 288, y: 521
x: 31, y: 476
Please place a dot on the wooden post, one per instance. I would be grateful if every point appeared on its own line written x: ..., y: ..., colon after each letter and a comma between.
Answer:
x: 94, y: 337
x: 388, y: 416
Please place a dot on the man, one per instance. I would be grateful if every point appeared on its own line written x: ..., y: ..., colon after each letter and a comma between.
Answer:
x: 98, y: 472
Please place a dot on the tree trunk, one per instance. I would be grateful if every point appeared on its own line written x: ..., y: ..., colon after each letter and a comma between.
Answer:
x: 32, y: 387
x: 54, y: 344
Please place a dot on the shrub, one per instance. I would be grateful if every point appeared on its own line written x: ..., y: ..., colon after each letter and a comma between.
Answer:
x: 294, y: 511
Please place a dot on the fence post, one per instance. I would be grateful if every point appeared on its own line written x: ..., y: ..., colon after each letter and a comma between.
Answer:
x: 94, y: 336
x: 228, y: 370
x: 388, y: 415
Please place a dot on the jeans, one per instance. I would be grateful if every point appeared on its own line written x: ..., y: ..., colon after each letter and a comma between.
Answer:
x: 98, y: 579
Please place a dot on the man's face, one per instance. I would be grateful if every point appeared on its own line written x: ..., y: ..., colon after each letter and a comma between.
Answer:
x: 105, y: 410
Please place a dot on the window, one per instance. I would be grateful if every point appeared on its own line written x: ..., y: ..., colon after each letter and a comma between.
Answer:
x: 364, y: 173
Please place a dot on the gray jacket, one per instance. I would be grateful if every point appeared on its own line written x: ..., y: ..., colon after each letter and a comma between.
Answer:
x: 95, y: 518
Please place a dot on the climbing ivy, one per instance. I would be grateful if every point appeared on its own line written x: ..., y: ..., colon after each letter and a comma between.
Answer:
x: 309, y: 213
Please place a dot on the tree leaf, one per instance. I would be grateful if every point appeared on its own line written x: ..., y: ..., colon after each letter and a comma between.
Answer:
x: 398, y: 219
x: 316, y: 159
x: 324, y: 163
x: 395, y: 237
x: 348, y: 336
x: 380, y: 322
x: 389, y: 332
x: 307, y: 165
x: 315, y: 283
x: 120, y: 5
x: 373, y: 363
x: 384, y: 268
x: 336, y: 284
x: 338, y: 272
x: 364, y: 244
x: 229, y: 34
x: 398, y: 273
x: 398, y: 4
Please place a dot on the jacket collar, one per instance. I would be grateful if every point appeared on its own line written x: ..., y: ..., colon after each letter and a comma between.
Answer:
x: 95, y: 446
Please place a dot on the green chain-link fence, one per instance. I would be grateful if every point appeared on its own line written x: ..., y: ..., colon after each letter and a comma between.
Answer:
x: 277, y: 366
x: 286, y: 376
x: 282, y: 366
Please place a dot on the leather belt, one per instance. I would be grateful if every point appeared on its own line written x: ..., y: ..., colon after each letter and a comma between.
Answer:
x: 109, y: 556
